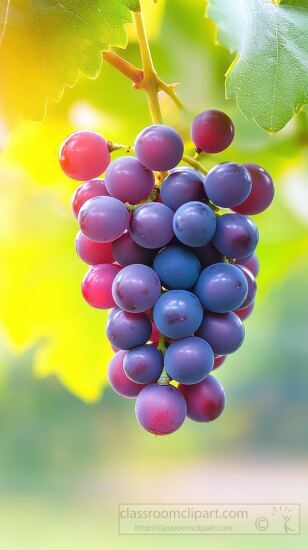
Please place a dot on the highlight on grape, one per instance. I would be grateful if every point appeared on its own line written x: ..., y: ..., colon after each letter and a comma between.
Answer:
x: 177, y: 273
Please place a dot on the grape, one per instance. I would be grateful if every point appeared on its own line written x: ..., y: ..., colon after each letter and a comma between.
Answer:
x: 118, y: 380
x: 212, y: 131
x: 143, y: 364
x: 227, y: 184
x: 128, y: 330
x: 97, y: 284
x: 223, y: 331
x: 177, y: 313
x: 159, y: 147
x: 126, y: 252
x: 208, y: 255
x: 243, y: 314
x: 151, y: 225
x: 205, y: 401
x: 252, y: 286
x: 177, y: 267
x: 189, y: 360
x: 218, y: 361
x: 84, y: 155
x: 91, y: 252
x: 86, y: 191
x: 161, y: 410
x: 103, y: 219
x: 194, y: 224
x: 262, y: 192
x: 128, y: 180
x: 252, y: 264
x: 181, y: 186
x: 136, y: 288
x: 236, y: 236
x: 222, y: 287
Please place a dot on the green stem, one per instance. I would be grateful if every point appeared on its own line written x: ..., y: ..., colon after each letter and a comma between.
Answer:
x: 194, y: 163
x: 164, y: 379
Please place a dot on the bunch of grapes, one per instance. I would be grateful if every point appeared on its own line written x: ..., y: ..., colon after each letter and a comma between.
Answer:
x: 178, y: 275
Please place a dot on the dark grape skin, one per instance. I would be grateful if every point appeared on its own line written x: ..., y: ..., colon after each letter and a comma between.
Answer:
x: 252, y: 286
x: 252, y: 264
x: 126, y: 252
x: 194, y: 224
x: 243, y: 314
x: 97, y: 285
x: 84, y: 155
x: 136, y: 288
x: 262, y: 192
x: 228, y: 184
x: 159, y: 147
x: 103, y: 219
x: 223, y: 331
x: 143, y: 364
x: 181, y: 186
x: 151, y: 225
x: 222, y: 287
x: 189, y: 360
x: 86, y: 191
x: 128, y: 330
x: 212, y: 131
x: 218, y: 361
x: 205, y: 401
x: 177, y: 267
x: 177, y: 314
x: 161, y: 410
x: 119, y: 381
x: 128, y: 180
x: 208, y: 255
x: 236, y: 236
x: 93, y: 253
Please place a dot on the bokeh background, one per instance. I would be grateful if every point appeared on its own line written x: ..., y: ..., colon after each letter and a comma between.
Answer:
x: 70, y: 449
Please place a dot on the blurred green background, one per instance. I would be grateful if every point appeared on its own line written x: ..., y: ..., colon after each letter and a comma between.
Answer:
x: 71, y: 451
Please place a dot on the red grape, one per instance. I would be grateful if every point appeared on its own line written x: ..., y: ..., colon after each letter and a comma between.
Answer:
x: 97, y: 285
x: 84, y: 155
x: 212, y: 131
x: 205, y: 400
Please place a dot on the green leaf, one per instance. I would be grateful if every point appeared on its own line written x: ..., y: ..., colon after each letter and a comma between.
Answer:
x: 269, y: 76
x: 45, y: 44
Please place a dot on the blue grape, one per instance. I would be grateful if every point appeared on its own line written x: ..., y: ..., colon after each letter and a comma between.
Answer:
x: 159, y: 147
x: 126, y: 252
x: 119, y: 381
x: 181, y: 186
x: 208, y: 255
x: 223, y: 331
x: 236, y: 236
x: 194, y: 224
x: 128, y: 330
x: 143, y: 364
x: 103, y: 219
x: 177, y: 313
x: 251, y: 284
x: 177, y: 267
x: 128, y: 180
x: 136, y: 288
x: 228, y: 184
x: 205, y: 401
x: 161, y: 410
x: 189, y: 360
x: 151, y: 225
x: 221, y: 287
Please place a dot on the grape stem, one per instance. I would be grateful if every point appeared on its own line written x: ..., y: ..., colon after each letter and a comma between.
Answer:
x: 164, y: 379
x: 194, y: 163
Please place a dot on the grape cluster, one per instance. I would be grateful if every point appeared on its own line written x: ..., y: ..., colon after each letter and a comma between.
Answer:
x: 178, y: 275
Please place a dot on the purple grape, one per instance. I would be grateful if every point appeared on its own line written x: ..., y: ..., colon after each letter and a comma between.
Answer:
x: 128, y: 180
x: 151, y: 225
x: 189, y: 360
x: 91, y: 252
x: 143, y: 364
x: 208, y: 255
x: 118, y: 380
x: 243, y: 314
x: 212, y: 131
x: 194, y: 224
x: 159, y: 147
x: 86, y: 191
x: 236, y: 235
x: 218, y: 361
x: 205, y: 401
x: 126, y: 252
x: 103, y: 219
x: 262, y: 192
x: 128, y: 330
x: 177, y: 267
x: 227, y: 184
x: 252, y: 286
x: 181, y: 186
x: 223, y: 331
x: 161, y: 410
x: 97, y: 284
x: 177, y: 314
x: 137, y: 288
x: 221, y: 287
x: 252, y: 264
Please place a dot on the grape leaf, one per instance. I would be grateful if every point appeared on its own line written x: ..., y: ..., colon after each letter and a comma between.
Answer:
x: 45, y: 44
x: 269, y: 76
